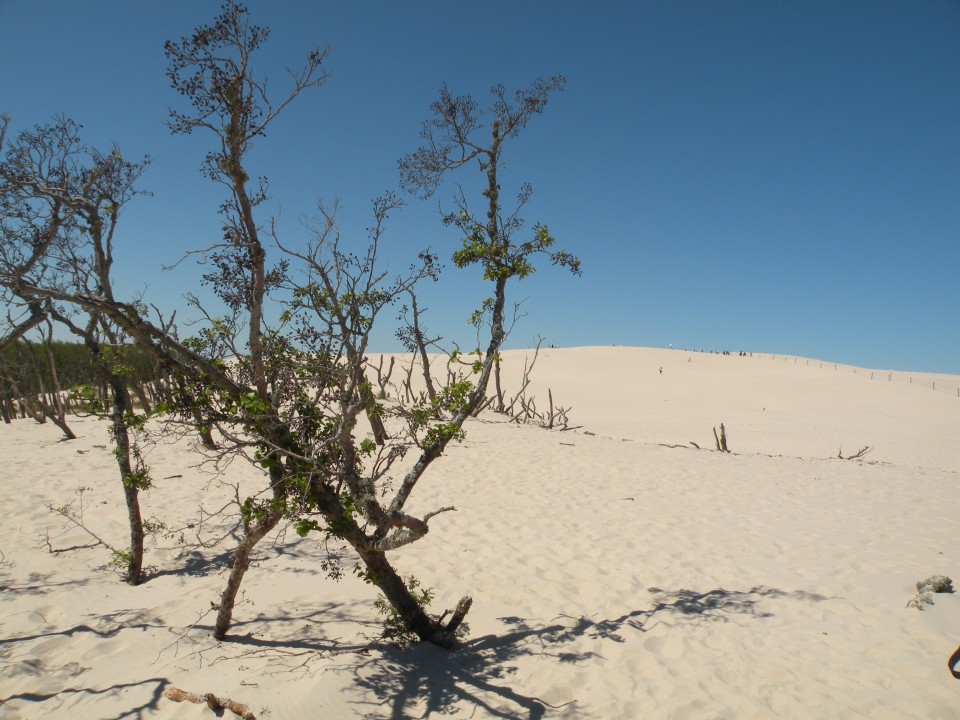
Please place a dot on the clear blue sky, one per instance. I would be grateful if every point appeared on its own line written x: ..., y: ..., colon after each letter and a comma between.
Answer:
x: 776, y: 176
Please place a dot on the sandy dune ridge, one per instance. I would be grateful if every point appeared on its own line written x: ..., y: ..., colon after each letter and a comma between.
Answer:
x: 617, y: 571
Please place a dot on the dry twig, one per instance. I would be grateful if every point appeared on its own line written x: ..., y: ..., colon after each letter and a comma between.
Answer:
x: 856, y: 456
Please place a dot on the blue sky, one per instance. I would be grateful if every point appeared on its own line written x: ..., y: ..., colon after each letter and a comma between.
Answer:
x: 771, y: 176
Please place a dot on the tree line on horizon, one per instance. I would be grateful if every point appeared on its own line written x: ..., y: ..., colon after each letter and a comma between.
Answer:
x: 36, y: 374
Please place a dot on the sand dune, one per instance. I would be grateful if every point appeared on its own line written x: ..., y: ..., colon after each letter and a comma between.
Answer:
x: 617, y: 571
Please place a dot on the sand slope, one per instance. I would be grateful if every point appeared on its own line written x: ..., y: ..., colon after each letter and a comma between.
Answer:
x: 617, y: 572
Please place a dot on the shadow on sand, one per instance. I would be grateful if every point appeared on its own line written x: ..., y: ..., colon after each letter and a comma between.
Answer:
x: 53, y: 701
x: 36, y: 584
x: 310, y: 630
x: 193, y: 563
x: 425, y: 681
x: 677, y: 607
x: 109, y: 625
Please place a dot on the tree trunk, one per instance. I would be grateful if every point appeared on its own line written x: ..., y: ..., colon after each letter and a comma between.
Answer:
x: 135, y: 567
x: 206, y: 437
x: 59, y: 419
x: 373, y: 415
x: 422, y: 349
x: 59, y: 412
x: 240, y: 565
x: 141, y: 394
x: 203, y: 429
x: 252, y: 534
x: 398, y: 594
x: 131, y: 494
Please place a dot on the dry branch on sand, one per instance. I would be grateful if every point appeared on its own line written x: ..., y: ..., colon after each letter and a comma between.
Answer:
x: 859, y: 455
x: 721, y: 441
x: 212, y: 701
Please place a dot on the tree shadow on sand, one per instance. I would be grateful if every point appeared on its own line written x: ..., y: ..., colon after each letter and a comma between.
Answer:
x: 289, y: 643
x: 310, y: 629
x: 677, y: 607
x: 37, y: 583
x: 195, y: 560
x: 424, y: 681
x: 193, y: 563
x: 108, y: 625
x: 53, y: 701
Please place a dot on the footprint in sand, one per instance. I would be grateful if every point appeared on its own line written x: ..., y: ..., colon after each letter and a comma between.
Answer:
x: 38, y: 617
x: 70, y: 670
x: 665, y: 646
x: 105, y: 649
x: 31, y: 667
x: 52, y: 646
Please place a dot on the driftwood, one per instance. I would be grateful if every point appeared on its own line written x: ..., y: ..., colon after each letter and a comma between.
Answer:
x: 212, y: 701
x: 554, y: 416
x: 856, y: 456
x: 721, y: 441
x: 522, y: 394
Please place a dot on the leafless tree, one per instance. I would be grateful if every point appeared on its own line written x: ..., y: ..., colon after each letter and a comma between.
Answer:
x: 61, y: 203
x: 412, y: 335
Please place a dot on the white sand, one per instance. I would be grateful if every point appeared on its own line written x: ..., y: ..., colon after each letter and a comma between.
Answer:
x: 613, y: 576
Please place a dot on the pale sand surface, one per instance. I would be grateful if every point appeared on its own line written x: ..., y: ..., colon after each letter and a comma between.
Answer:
x: 613, y: 576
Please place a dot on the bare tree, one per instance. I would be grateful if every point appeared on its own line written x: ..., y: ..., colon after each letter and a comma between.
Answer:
x: 28, y: 373
x: 55, y: 404
x: 62, y: 201
x: 296, y: 399
x: 412, y: 335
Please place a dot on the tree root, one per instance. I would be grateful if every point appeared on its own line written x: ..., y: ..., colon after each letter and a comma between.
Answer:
x: 212, y: 701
